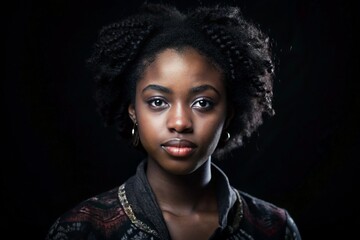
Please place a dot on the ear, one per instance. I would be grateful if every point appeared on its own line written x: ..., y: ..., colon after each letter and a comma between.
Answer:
x: 132, y: 112
x: 229, y: 117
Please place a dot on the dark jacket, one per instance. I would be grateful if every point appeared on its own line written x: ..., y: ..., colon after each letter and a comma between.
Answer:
x: 131, y: 212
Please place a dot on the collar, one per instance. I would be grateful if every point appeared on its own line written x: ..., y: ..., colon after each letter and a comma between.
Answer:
x: 139, y: 202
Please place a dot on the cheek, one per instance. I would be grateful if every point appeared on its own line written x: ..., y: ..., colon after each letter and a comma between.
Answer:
x: 150, y: 126
x: 211, y: 128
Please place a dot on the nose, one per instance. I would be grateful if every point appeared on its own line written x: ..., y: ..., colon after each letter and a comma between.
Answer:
x: 179, y: 119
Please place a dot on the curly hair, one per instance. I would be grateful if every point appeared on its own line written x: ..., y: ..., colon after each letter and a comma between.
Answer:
x: 240, y: 49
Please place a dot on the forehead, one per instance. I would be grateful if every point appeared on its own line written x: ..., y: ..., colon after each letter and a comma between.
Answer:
x: 182, y: 67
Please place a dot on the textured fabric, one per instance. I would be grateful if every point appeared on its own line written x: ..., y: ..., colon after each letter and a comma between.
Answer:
x: 131, y: 212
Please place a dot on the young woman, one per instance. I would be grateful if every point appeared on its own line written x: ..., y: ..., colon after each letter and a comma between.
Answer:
x: 185, y: 88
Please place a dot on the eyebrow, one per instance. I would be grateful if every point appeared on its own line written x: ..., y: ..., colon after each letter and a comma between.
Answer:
x: 157, y: 88
x: 197, y: 89
x: 203, y: 88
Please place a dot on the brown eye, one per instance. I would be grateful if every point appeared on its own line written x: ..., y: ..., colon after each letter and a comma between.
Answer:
x: 203, y: 104
x: 157, y: 103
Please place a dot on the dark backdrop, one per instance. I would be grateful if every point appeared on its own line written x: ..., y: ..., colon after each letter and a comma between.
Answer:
x: 58, y: 153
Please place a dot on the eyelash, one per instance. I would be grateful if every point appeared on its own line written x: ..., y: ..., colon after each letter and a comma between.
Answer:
x: 152, y: 105
x: 164, y: 104
x: 209, y: 104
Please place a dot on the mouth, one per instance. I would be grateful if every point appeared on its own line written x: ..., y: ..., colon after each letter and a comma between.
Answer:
x: 179, y: 147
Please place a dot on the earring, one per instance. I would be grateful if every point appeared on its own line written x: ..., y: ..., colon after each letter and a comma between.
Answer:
x: 135, y: 135
x: 226, y: 136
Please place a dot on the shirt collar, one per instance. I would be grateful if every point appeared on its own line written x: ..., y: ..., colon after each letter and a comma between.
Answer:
x: 139, y: 202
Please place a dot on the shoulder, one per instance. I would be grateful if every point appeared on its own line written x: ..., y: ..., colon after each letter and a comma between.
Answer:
x: 98, y: 216
x: 266, y: 220
x: 256, y: 208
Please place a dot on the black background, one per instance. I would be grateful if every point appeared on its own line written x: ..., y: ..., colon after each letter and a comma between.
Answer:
x: 58, y: 153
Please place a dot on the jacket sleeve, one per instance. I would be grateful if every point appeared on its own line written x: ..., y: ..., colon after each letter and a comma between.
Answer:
x: 291, y: 231
x: 69, y: 231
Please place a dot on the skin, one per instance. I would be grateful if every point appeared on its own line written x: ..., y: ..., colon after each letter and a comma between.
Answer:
x: 181, y: 95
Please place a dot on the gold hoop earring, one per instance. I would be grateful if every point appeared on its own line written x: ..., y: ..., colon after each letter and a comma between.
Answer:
x: 135, y: 135
x: 226, y: 136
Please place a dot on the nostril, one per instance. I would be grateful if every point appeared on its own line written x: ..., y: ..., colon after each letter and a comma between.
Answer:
x: 181, y: 125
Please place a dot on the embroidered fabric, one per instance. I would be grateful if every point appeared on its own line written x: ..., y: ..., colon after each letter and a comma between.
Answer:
x: 131, y: 212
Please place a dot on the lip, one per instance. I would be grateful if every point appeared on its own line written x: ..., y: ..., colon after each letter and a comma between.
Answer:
x: 177, y: 147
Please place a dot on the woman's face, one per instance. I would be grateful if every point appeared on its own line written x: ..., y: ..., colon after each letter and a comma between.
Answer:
x: 180, y: 108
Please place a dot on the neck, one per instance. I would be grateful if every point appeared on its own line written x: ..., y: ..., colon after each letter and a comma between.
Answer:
x: 182, y: 194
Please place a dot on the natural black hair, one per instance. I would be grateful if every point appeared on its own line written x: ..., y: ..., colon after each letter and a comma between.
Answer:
x: 221, y: 34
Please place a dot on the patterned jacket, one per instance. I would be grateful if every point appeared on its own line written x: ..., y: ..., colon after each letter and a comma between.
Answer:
x: 131, y: 212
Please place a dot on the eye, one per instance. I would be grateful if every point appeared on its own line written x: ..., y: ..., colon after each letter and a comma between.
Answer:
x: 203, y: 104
x: 157, y: 103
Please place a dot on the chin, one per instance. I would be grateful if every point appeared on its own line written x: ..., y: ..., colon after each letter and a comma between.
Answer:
x: 181, y: 167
